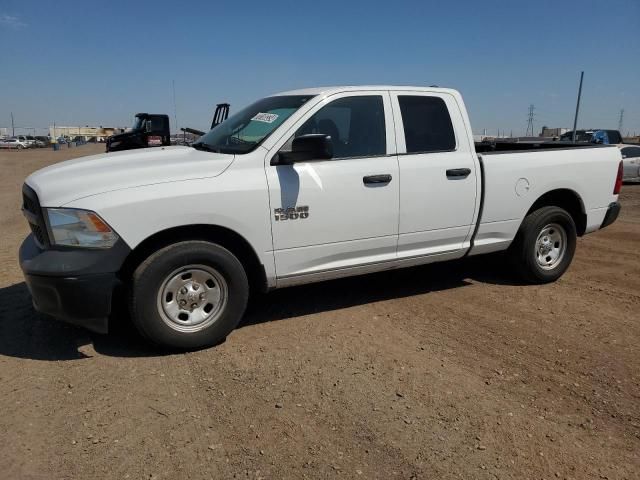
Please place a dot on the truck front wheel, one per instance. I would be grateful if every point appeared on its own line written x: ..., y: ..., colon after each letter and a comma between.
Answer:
x: 188, y: 295
x: 544, y: 246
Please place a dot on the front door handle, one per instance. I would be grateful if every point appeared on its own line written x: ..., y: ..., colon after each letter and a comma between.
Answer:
x: 373, y: 179
x: 458, y: 172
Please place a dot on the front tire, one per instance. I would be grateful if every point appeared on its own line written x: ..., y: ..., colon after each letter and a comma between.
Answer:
x: 545, y: 245
x: 188, y: 295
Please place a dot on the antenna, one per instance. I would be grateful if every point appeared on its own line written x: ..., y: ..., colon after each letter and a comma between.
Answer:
x: 530, y: 121
x: 621, y: 120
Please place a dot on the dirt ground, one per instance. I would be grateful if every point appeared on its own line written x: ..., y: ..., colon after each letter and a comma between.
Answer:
x: 437, y: 372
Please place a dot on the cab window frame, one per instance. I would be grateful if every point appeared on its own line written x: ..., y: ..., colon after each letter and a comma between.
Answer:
x: 379, y: 95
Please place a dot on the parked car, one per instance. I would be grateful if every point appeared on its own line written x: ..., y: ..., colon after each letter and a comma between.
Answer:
x: 631, y: 162
x: 13, y: 143
x: 300, y: 187
x: 27, y: 140
x: 42, y: 141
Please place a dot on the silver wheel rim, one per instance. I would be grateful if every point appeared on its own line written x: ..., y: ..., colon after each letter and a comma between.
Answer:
x: 192, y: 298
x: 550, y: 246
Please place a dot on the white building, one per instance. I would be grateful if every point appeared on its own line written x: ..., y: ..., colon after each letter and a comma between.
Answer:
x: 100, y: 133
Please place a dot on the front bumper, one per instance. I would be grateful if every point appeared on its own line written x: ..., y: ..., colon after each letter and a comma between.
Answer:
x: 73, y: 285
x: 612, y: 214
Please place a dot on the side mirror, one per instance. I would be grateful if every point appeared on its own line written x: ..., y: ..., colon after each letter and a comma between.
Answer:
x: 314, y: 146
x: 148, y: 126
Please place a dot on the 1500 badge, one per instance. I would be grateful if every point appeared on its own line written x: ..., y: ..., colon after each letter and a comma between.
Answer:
x: 291, y: 213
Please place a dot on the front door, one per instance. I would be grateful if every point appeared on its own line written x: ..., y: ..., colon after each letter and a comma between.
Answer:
x: 330, y: 215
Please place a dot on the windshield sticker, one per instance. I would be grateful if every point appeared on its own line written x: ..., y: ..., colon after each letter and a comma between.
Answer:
x: 265, y: 117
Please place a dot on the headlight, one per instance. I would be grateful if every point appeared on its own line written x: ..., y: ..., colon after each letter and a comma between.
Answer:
x: 79, y: 228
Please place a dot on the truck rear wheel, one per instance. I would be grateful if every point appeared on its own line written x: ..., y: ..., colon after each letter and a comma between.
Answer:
x: 544, y: 246
x: 188, y: 295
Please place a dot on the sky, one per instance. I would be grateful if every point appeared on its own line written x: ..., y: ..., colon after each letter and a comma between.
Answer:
x: 98, y: 63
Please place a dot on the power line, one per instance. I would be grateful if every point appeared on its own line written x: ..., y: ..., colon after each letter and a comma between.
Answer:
x: 530, y: 121
x: 621, y: 120
x: 175, y: 108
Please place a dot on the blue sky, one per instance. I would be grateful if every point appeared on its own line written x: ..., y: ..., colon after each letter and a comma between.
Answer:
x: 98, y: 63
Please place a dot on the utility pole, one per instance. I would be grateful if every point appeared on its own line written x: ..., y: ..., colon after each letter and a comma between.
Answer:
x: 530, y: 121
x: 175, y: 109
x: 620, y: 121
x: 13, y: 129
x: 575, y: 119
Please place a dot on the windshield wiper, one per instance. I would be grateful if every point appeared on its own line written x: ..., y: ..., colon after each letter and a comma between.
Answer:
x: 205, y: 147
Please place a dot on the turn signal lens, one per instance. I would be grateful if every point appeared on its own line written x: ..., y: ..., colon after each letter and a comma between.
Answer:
x: 97, y: 222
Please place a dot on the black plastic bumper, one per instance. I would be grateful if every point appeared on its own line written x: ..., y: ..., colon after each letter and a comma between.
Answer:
x: 612, y: 214
x: 73, y: 285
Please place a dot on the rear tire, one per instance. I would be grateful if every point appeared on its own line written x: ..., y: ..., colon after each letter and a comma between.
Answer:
x: 188, y: 295
x: 544, y: 246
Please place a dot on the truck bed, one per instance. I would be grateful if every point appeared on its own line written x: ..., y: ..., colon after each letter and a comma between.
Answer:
x: 514, y: 179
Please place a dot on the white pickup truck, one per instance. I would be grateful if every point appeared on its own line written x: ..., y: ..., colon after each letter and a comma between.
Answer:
x: 299, y: 187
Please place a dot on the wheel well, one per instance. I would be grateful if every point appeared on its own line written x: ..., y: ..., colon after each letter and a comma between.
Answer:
x: 224, y: 237
x: 569, y: 201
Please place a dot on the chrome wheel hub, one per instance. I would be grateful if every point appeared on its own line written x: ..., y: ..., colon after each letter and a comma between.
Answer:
x: 192, y: 298
x: 551, y: 245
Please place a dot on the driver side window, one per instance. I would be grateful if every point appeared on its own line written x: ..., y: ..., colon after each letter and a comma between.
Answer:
x: 355, y: 124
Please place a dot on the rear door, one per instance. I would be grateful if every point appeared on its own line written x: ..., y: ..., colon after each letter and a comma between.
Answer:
x: 437, y: 174
x: 336, y: 214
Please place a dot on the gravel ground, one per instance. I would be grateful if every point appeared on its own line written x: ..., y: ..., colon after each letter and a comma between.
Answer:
x: 444, y: 371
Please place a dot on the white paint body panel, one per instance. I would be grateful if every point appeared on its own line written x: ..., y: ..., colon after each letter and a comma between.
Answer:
x: 419, y: 217
x: 64, y: 182
x: 349, y: 222
x: 436, y: 212
x: 589, y: 172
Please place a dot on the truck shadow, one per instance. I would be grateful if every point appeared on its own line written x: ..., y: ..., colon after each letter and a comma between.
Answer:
x: 393, y: 284
x: 24, y: 333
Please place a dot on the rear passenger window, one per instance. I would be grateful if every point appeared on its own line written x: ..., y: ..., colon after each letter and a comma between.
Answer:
x: 427, y: 124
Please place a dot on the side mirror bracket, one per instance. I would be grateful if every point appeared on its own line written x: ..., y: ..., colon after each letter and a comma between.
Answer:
x: 314, y: 146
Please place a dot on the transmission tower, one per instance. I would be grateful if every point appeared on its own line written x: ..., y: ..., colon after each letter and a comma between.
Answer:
x: 621, y: 120
x: 530, y: 132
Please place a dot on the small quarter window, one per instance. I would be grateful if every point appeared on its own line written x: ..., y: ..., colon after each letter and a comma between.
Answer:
x: 427, y: 124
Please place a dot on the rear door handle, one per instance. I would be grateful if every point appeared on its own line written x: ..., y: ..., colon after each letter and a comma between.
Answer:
x: 458, y: 172
x: 371, y: 179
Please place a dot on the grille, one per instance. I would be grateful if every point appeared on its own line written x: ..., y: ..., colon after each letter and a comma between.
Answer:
x: 29, y: 205
x: 38, y: 233
x: 33, y: 212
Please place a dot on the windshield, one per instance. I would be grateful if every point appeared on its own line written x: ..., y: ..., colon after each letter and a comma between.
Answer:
x: 137, y: 123
x: 245, y: 130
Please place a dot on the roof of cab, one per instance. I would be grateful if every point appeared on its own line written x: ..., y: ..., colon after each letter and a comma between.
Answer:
x: 356, y: 88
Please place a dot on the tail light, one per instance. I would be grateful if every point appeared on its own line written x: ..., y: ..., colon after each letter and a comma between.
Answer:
x: 618, y: 186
